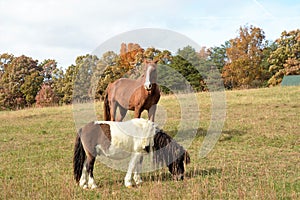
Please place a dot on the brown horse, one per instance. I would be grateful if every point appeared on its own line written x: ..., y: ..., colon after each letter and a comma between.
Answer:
x: 137, y: 95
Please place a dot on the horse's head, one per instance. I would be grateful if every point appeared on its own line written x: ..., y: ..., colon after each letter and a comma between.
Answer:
x: 177, y: 167
x: 150, y: 74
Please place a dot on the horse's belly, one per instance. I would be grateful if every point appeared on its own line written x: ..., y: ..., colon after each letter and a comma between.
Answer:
x: 112, y: 152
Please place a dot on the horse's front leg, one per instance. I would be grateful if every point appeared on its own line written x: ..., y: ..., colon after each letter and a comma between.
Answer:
x: 137, y: 112
x: 131, y: 167
x: 136, y: 177
x: 151, y: 112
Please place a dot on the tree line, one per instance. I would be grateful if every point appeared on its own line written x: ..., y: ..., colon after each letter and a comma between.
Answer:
x: 247, y: 61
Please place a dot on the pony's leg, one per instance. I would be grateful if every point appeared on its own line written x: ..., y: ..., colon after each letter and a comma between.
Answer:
x: 151, y: 112
x: 90, y: 168
x: 136, y: 177
x: 84, y: 176
x: 131, y: 167
x: 87, y: 177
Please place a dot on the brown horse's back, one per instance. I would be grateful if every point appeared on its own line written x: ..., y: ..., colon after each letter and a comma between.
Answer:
x: 122, y: 91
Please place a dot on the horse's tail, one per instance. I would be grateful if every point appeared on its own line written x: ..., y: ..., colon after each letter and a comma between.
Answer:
x: 106, y: 108
x: 79, y: 157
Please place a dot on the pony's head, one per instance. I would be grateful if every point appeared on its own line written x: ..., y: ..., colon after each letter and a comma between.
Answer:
x: 168, y: 152
x: 177, y: 167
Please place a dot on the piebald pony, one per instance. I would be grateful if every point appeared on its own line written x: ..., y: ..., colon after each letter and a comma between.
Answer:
x: 116, y: 139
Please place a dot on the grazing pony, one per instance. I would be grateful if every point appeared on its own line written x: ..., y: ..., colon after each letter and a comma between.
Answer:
x: 135, y: 137
x: 137, y: 95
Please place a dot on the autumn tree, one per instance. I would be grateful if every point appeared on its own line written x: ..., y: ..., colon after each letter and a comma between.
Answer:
x: 68, y: 84
x: 20, y: 82
x: 48, y: 67
x: 58, y: 84
x: 245, y: 56
x: 285, y: 60
x: 5, y: 59
x: 106, y: 72
x: 130, y: 56
x: 46, y: 96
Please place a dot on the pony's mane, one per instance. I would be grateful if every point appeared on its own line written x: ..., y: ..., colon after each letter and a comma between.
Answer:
x: 166, y: 150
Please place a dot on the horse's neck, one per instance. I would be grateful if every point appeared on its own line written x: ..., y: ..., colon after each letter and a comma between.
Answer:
x: 141, y: 79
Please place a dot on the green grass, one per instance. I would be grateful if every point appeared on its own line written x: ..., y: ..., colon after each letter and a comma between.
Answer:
x: 256, y: 157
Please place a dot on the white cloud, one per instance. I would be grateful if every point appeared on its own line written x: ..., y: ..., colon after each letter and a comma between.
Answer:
x: 65, y: 29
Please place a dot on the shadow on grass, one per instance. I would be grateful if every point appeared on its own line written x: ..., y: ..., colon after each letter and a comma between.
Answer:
x: 201, y: 133
x: 166, y: 176
x: 203, y: 172
x: 160, y: 176
x: 231, y: 134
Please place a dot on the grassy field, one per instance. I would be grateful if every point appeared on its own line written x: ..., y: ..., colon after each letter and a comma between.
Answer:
x: 256, y: 157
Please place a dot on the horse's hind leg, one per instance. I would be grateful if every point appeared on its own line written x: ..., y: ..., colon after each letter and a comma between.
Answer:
x: 122, y: 113
x: 87, y: 178
x: 90, y: 168
x: 113, y: 109
x: 84, y: 176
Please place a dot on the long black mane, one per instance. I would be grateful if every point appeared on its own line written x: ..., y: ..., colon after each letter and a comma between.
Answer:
x: 167, y: 151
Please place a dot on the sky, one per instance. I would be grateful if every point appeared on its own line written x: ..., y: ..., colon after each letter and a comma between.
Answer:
x: 65, y: 29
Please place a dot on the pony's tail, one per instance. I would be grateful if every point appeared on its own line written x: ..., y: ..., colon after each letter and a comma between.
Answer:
x: 79, y: 157
x: 106, y: 108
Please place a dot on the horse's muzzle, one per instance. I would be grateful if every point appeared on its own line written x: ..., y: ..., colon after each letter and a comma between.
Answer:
x: 148, y: 86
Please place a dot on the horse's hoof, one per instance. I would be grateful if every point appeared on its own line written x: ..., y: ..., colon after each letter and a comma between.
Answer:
x: 129, y: 186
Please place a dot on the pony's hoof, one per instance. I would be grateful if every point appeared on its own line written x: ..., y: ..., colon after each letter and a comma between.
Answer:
x: 94, y: 186
x: 129, y: 186
x: 85, y: 187
x: 139, y: 183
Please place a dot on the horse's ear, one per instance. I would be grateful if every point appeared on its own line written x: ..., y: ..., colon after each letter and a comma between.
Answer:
x: 187, y: 159
x: 155, y: 60
x: 147, y: 61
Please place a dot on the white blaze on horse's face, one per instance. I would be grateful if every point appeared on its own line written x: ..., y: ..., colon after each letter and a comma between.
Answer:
x: 147, y: 83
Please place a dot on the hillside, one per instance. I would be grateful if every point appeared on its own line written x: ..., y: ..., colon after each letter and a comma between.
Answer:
x: 256, y: 157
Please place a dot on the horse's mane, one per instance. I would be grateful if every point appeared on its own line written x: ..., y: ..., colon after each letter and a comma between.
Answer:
x: 166, y: 150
